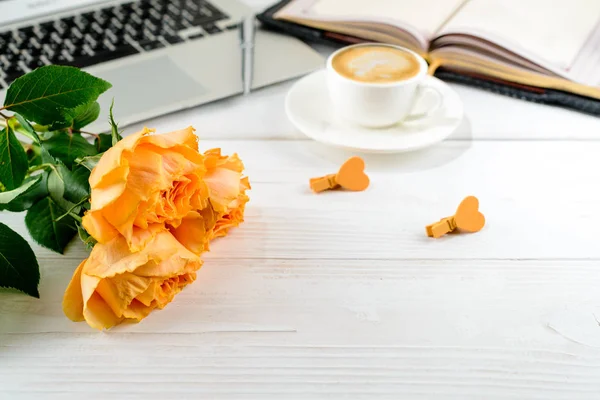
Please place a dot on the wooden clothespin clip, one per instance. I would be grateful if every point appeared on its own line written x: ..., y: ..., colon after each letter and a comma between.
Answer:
x: 467, y: 218
x: 351, y: 176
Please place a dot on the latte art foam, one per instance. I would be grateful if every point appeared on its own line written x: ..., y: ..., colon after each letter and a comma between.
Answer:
x: 376, y: 64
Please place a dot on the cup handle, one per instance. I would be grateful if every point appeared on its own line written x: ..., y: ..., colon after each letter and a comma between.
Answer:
x: 421, y: 90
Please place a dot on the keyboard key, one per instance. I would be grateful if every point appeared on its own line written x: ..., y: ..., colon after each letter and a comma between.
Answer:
x: 191, y: 6
x: 168, y: 23
x: 131, y: 31
x: 187, y: 15
x: 173, y: 39
x: 63, y: 58
x: 107, y: 45
x: 111, y: 37
x: 81, y: 23
x: 13, y: 49
x: 36, y: 63
x: 49, y: 50
x: 20, y: 36
x: 211, y: 28
x: 173, y: 11
x: 157, y: 4
x: 61, y: 27
x: 69, y: 46
x: 153, y: 28
x: 155, y: 16
x: 68, y: 21
x: 5, y: 38
x: 136, y: 19
x: 151, y: 44
x: 15, y: 71
x: 34, y: 46
x: 90, y: 40
x: 76, y: 34
x: 40, y: 33
x: 120, y: 52
x: 195, y: 36
x: 97, y: 28
x: 5, y: 63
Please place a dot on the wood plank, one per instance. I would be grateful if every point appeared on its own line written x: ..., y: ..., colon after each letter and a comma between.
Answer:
x: 535, y: 205
x: 341, y: 294
x: 316, y: 328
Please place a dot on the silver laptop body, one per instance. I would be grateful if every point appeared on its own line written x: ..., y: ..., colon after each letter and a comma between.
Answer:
x: 203, y: 67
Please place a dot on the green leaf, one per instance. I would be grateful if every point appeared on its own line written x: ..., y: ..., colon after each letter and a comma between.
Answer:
x: 89, y: 162
x: 115, y: 135
x: 67, y: 147
x: 13, y: 160
x: 27, y: 129
x: 66, y: 121
x: 34, y: 155
x: 45, y: 230
x: 46, y: 94
x: 33, y: 193
x: 19, y: 268
x: 78, y: 117
x: 85, y: 114
x: 7, y: 197
x: 103, y: 142
x: 57, y: 187
x: 77, y: 186
x: 47, y: 135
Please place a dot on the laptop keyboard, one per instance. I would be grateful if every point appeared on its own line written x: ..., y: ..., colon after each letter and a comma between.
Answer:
x: 106, y: 34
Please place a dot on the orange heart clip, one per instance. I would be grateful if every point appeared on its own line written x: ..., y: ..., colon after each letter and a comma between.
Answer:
x: 467, y: 218
x: 351, y: 176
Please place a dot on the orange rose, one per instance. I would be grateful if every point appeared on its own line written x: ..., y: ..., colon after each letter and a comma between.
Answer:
x: 156, y: 202
x: 115, y: 284
x: 143, y: 181
x: 227, y: 201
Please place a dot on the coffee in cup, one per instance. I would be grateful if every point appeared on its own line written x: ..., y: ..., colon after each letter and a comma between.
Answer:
x: 377, y: 85
x: 376, y: 64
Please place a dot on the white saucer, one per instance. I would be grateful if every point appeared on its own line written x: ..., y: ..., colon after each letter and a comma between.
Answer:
x: 308, y: 107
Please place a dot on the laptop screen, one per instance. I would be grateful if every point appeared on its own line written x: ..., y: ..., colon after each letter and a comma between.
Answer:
x: 19, y: 10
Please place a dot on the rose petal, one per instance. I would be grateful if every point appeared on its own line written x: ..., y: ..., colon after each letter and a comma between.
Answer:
x: 184, y: 137
x: 138, y: 310
x: 223, y: 186
x: 113, y: 160
x: 73, y: 298
x: 115, y: 257
x: 192, y: 233
x: 96, y: 311
x: 98, y: 227
x: 119, y: 291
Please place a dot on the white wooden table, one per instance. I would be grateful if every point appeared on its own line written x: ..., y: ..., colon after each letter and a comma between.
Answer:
x: 341, y: 295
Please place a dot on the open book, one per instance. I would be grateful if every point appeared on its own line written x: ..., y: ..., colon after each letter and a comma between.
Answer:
x: 538, y: 43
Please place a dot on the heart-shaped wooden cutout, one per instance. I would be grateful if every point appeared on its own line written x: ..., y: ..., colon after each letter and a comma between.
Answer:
x: 467, y: 217
x: 352, y: 175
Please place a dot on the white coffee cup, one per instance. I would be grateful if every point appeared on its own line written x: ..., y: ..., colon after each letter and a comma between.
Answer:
x: 380, y: 104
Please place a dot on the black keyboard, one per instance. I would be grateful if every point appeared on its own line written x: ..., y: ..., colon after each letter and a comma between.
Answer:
x: 107, y: 34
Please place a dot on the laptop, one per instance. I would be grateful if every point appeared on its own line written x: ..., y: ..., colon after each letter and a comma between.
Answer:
x: 160, y: 56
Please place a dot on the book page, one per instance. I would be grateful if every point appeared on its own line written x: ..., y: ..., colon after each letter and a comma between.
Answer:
x: 550, y: 31
x: 425, y: 16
